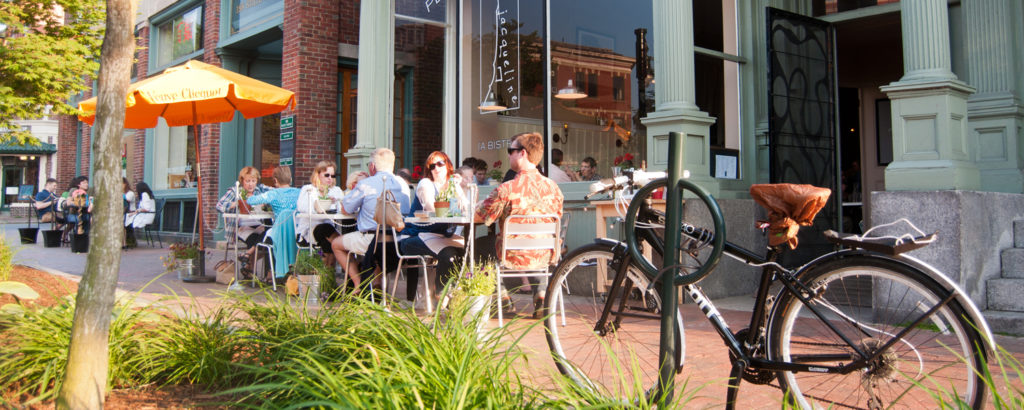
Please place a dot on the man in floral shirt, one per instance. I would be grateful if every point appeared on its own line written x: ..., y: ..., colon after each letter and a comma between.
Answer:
x: 529, y: 193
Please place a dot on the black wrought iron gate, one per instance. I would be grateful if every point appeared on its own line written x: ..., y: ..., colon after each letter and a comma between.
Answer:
x: 802, y: 134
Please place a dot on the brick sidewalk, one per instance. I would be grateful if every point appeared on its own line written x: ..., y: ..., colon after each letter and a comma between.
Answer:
x: 706, y: 358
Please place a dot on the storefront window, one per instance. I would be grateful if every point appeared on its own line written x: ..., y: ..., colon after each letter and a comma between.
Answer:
x: 503, y: 73
x: 348, y: 85
x: 179, y: 37
x: 593, y: 46
x: 247, y: 14
x: 268, y: 148
x: 174, y: 157
x: 717, y: 70
x: 421, y: 51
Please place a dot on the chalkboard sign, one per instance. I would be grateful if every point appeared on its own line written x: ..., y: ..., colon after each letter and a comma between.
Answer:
x: 26, y: 192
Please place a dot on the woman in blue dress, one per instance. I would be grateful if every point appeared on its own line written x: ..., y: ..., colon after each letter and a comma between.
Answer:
x: 282, y: 201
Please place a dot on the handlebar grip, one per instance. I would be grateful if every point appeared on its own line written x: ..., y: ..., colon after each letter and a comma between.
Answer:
x: 718, y: 240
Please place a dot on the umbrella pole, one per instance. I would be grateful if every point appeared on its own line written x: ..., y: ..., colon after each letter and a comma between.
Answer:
x: 201, y: 277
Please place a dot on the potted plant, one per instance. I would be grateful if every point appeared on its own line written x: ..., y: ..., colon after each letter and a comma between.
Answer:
x: 315, y: 278
x: 475, y: 288
x: 29, y: 234
x: 444, y: 198
x: 181, y: 258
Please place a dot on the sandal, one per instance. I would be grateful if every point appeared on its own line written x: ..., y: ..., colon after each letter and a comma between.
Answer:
x: 538, y: 307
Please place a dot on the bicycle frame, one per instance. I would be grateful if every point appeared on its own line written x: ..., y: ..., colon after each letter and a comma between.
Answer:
x: 745, y: 351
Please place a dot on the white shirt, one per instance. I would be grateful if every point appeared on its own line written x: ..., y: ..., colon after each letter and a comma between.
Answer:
x: 307, y: 196
x: 558, y: 175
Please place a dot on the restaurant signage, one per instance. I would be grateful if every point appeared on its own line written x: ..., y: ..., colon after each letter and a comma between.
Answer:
x: 499, y: 54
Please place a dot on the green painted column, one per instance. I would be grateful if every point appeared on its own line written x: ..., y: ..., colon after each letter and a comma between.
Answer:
x: 931, y: 146
x: 376, y: 82
x: 675, y: 109
x: 995, y: 112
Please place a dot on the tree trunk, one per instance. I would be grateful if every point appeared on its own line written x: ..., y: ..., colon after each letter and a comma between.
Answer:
x: 85, y: 381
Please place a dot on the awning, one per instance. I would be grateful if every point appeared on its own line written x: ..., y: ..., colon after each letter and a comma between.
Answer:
x: 15, y: 148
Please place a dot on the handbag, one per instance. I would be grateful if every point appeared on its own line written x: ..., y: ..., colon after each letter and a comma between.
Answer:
x: 47, y: 217
x: 389, y: 211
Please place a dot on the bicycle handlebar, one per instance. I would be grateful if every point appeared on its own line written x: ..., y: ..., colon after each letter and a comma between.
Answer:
x: 718, y: 239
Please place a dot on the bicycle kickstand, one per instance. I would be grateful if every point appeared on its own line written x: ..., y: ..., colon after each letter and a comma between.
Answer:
x: 735, y: 378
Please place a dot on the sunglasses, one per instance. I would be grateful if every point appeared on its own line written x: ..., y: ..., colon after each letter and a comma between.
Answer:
x: 329, y: 175
x: 436, y: 165
x: 513, y: 149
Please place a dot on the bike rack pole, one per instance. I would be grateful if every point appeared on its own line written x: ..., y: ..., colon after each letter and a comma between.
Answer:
x: 673, y: 218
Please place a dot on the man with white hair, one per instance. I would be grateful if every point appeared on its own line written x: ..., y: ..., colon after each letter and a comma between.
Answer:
x: 362, y: 201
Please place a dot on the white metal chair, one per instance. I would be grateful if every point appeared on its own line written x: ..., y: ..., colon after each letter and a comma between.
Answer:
x: 528, y: 233
x: 422, y: 261
x: 269, y: 247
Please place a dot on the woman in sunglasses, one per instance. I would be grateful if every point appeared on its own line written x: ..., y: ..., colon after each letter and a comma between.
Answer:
x: 436, y: 240
x: 321, y: 186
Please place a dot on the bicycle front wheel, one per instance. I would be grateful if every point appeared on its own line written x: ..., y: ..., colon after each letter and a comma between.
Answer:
x: 870, y: 301
x: 618, y: 355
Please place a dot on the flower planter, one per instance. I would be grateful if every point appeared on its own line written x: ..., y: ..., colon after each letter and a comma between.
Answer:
x: 51, y: 238
x: 441, y: 209
x: 309, y: 289
x: 79, y: 243
x: 323, y: 205
x: 28, y: 235
x: 186, y: 268
x: 478, y: 310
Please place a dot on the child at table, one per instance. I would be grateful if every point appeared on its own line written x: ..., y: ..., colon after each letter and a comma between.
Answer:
x: 282, y: 201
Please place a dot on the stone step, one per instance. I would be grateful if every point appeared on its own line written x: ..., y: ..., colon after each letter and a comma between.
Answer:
x: 1005, y: 294
x: 1004, y: 322
x: 1012, y: 263
x: 1018, y: 233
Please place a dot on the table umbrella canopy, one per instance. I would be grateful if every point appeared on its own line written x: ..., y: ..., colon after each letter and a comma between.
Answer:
x: 195, y: 93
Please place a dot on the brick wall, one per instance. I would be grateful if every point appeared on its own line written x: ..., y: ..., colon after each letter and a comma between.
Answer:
x: 348, y: 22
x: 310, y: 69
x: 65, y: 156
x: 136, y: 170
x: 209, y: 140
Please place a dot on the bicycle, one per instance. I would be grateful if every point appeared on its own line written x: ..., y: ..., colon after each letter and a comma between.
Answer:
x: 859, y: 327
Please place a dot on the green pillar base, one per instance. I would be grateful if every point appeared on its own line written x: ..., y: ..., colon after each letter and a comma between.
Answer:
x: 931, y: 176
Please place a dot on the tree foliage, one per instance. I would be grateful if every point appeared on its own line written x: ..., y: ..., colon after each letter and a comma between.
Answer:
x: 48, y: 51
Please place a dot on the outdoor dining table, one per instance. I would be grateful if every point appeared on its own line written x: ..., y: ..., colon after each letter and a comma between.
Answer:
x: 469, y: 232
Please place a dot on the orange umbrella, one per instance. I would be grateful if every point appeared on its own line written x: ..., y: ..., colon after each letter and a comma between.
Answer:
x: 196, y: 93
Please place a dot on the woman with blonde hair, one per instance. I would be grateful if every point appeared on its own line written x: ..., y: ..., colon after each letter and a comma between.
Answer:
x: 321, y: 186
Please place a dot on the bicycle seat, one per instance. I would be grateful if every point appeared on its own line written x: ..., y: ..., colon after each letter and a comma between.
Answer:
x: 789, y: 206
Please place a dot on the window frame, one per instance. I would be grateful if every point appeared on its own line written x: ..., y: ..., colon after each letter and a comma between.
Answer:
x: 163, y: 17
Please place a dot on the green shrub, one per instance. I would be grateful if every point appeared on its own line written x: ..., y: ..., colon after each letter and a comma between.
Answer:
x: 6, y: 260
x: 36, y: 345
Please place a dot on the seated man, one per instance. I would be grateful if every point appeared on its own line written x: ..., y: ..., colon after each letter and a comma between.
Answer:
x: 362, y: 202
x: 46, y: 204
x: 529, y: 193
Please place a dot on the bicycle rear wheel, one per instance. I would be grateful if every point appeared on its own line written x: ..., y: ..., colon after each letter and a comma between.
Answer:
x: 871, y: 300
x: 619, y: 354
